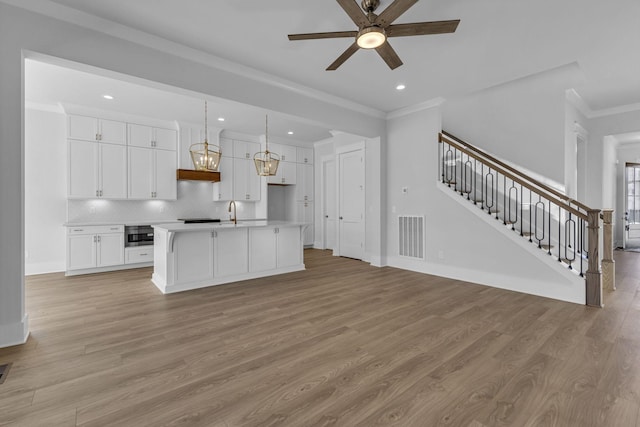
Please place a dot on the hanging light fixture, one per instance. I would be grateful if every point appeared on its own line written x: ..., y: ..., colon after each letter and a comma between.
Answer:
x: 266, y: 161
x: 205, y: 156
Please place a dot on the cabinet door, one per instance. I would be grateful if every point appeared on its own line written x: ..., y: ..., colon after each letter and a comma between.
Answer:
x: 305, y: 215
x: 193, y: 254
x: 262, y: 249
x: 110, y: 249
x: 289, y: 250
x: 83, y: 169
x: 81, y: 127
x: 165, y: 139
x: 166, y: 184
x: 140, y: 136
x: 231, y: 252
x: 113, y: 171
x: 112, y: 132
x: 240, y: 185
x: 81, y: 251
x: 140, y: 173
x: 245, y: 149
x: 254, y: 182
x: 305, y: 155
x: 288, y: 173
x: 223, y: 190
x: 226, y: 147
x: 304, y: 182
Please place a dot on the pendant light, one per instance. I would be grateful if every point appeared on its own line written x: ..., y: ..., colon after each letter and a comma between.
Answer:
x: 266, y: 161
x: 205, y: 156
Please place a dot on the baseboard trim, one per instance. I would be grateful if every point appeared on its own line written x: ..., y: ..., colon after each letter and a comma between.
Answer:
x: 14, y: 333
x: 31, y: 269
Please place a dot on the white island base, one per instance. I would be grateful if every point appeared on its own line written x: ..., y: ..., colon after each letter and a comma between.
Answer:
x: 192, y: 256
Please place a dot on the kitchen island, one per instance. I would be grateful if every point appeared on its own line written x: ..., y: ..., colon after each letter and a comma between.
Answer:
x: 191, y: 256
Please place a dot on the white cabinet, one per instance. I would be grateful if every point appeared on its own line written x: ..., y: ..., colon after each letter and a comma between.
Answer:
x: 152, y: 174
x: 304, y: 155
x: 151, y: 137
x: 223, y: 189
x: 305, y: 214
x: 94, y: 129
x: 139, y: 254
x: 96, y: 170
x: 245, y: 149
x: 286, y: 174
x: 246, y: 181
x: 226, y: 147
x: 287, y: 153
x: 193, y: 256
x: 94, y: 246
x: 304, y: 182
x: 271, y: 248
x: 230, y: 252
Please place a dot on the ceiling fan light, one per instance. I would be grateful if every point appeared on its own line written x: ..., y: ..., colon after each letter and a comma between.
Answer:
x: 371, y: 37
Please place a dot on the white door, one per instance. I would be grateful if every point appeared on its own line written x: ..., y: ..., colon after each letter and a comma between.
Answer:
x: 305, y: 214
x: 165, y: 175
x: 231, y: 250
x: 254, y: 182
x: 82, y: 127
x: 110, y: 249
x: 223, y: 190
x: 632, y: 206
x: 140, y: 135
x: 351, y: 204
x: 113, y: 171
x: 329, y: 204
x: 81, y: 251
x: 166, y: 139
x: 112, y: 132
x: 83, y: 169
x: 240, y: 185
x: 262, y: 249
x: 193, y: 254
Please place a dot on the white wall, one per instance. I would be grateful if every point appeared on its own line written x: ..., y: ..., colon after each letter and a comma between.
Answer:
x: 85, y: 46
x: 522, y: 121
x: 45, y: 191
x: 575, y: 123
x: 459, y: 243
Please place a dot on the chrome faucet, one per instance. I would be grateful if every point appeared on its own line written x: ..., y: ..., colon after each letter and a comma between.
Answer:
x: 235, y: 217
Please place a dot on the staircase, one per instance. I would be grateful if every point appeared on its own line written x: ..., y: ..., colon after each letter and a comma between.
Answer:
x: 568, y: 231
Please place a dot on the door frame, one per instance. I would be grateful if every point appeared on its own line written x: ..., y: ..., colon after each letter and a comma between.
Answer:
x: 625, y: 224
x: 358, y: 146
x: 323, y: 163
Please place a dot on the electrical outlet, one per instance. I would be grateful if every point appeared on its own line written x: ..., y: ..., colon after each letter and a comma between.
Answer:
x: 162, y: 209
x: 92, y: 209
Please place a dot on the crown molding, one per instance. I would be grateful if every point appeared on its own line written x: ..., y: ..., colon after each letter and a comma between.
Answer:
x: 435, y: 102
x: 95, y: 23
x: 576, y: 100
x: 39, y: 106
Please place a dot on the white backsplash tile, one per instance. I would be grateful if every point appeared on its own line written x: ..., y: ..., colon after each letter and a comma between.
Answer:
x: 194, y: 201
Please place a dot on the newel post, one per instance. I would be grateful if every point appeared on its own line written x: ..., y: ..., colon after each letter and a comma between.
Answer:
x: 594, y: 276
x: 608, y: 263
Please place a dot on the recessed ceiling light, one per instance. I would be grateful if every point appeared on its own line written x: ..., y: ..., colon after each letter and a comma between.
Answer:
x: 221, y: 119
x: 107, y: 96
x: 290, y: 132
x: 400, y: 87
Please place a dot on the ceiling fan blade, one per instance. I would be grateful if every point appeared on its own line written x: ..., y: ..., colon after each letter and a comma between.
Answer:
x: 345, y: 55
x: 329, y: 35
x: 422, y: 28
x: 389, y: 55
x: 355, y: 12
x: 393, y: 11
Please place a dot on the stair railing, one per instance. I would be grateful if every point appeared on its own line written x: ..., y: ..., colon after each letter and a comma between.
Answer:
x: 538, y: 212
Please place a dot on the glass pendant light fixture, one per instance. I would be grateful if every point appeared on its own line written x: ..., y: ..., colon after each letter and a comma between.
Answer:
x: 205, y: 156
x: 266, y: 161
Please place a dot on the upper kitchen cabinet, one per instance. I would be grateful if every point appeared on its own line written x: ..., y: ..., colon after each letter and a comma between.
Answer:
x: 287, y: 153
x: 223, y: 189
x: 246, y: 181
x: 226, y: 147
x: 286, y: 174
x: 152, y: 137
x: 152, y: 174
x: 304, y: 182
x: 304, y: 155
x: 96, y: 170
x: 245, y: 149
x: 95, y: 129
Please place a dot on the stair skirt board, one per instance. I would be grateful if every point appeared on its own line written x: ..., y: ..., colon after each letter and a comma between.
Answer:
x: 411, y: 236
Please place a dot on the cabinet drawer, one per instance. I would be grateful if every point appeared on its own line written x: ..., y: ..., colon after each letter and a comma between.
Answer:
x: 96, y: 229
x: 138, y: 255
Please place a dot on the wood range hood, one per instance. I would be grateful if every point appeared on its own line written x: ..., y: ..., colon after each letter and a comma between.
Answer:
x: 193, y: 175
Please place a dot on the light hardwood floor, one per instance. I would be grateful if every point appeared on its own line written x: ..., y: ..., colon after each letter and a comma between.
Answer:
x: 341, y: 343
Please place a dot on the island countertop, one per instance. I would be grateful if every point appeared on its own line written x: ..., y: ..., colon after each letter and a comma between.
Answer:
x: 180, y: 227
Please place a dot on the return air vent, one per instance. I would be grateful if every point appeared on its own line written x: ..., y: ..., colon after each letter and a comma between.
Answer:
x: 411, y: 236
x: 4, y: 371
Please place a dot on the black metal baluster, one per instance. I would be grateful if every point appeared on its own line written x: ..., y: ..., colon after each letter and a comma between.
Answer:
x: 521, y: 210
x: 513, y: 190
x: 482, y: 196
x: 539, y: 205
x: 549, y: 249
x: 530, y: 208
x: 486, y: 184
x: 449, y: 160
x: 569, y: 236
x: 581, y: 243
x: 559, y: 240
x: 475, y: 181
x: 497, y: 194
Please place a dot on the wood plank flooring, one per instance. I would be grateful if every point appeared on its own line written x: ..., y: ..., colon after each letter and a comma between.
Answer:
x: 340, y: 344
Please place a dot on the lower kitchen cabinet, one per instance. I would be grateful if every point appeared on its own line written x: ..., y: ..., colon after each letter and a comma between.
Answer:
x: 305, y: 214
x: 94, y: 247
x: 137, y: 255
x: 271, y: 248
x: 228, y: 244
x: 193, y: 256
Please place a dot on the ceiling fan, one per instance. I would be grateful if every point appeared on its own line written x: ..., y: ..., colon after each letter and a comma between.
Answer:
x: 373, y: 30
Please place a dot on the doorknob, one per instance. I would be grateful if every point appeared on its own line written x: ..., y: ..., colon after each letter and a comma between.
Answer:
x: 340, y: 217
x: 326, y: 216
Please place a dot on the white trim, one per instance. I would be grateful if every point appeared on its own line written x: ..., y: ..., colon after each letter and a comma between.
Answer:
x: 14, y: 333
x: 431, y: 103
x: 49, y: 108
x: 580, y: 131
x: 106, y: 269
x: 323, y: 160
x: 576, y: 100
x: 350, y: 147
x: 114, y: 29
x: 31, y: 269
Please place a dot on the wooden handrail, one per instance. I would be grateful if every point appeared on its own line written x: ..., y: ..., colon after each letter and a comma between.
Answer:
x: 517, y: 177
x: 537, y: 183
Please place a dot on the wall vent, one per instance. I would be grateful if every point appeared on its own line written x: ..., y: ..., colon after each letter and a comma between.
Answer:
x: 411, y: 236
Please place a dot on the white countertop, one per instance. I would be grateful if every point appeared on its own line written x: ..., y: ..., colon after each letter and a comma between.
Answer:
x: 179, y: 226
x: 136, y: 222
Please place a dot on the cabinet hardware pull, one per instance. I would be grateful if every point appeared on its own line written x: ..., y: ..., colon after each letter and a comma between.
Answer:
x: 97, y: 193
x: 78, y: 229
x: 99, y: 239
x: 143, y: 254
x: 95, y: 239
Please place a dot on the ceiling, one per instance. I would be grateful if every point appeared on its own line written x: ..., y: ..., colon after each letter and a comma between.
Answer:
x: 497, y: 41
